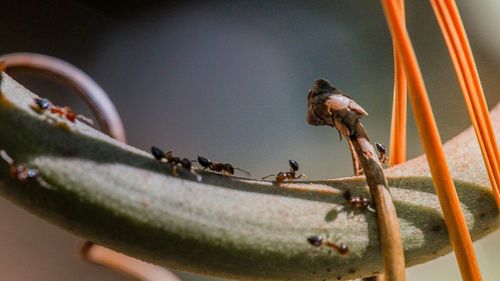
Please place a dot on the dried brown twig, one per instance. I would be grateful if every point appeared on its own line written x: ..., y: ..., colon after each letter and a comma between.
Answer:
x: 329, y: 106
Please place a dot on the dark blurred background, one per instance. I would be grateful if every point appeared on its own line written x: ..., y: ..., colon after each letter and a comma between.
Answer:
x: 228, y: 80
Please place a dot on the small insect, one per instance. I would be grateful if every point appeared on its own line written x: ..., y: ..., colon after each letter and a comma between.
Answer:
x: 318, y: 241
x: 174, y: 162
x: 382, y: 153
x: 357, y: 202
x: 42, y: 104
x: 223, y: 168
x: 21, y: 172
x: 289, y: 176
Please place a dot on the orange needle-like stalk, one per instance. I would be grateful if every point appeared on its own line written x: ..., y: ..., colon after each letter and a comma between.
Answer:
x: 137, y: 269
x: 397, y: 147
x: 468, y: 77
x: 431, y: 140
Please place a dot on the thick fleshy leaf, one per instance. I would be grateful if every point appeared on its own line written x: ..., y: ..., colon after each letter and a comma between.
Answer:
x: 122, y: 198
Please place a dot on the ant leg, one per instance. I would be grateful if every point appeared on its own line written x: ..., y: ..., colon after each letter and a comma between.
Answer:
x: 284, y: 183
x: 198, y: 176
x: 371, y: 209
x: 174, y: 170
x: 302, y: 175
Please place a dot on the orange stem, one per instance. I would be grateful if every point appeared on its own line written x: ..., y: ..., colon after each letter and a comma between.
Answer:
x: 463, y: 62
x: 397, y: 147
x: 431, y: 140
x: 137, y: 269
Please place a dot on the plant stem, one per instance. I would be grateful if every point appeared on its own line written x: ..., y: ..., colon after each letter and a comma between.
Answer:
x: 390, y: 238
x: 122, y: 198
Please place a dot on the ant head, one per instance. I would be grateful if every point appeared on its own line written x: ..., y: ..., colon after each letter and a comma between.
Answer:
x: 294, y: 165
x: 42, y: 103
x: 380, y: 147
x: 229, y: 169
x: 343, y: 249
x: 158, y: 154
x: 204, y: 162
x: 315, y: 240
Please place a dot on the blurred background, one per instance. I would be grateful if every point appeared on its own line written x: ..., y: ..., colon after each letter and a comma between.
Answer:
x: 228, y: 80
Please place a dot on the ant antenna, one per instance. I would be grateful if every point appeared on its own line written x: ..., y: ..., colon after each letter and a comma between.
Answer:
x: 243, y: 171
x: 271, y: 175
x: 305, y: 176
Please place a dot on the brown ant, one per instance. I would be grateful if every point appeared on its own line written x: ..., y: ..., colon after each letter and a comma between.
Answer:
x: 42, y: 104
x: 382, y: 153
x: 21, y: 172
x: 317, y: 241
x: 358, y: 202
x: 290, y: 176
x: 174, y: 162
x: 223, y: 168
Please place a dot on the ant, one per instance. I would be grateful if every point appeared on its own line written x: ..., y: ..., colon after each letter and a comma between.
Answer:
x: 223, y: 168
x: 357, y: 202
x: 382, y: 153
x: 290, y: 176
x: 42, y: 104
x: 21, y: 172
x: 174, y: 162
x: 317, y: 241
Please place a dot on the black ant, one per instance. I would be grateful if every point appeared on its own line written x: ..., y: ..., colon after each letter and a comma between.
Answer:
x: 42, y: 104
x: 21, y: 172
x: 317, y: 241
x: 174, y: 162
x: 223, y: 168
x: 382, y: 153
x: 290, y: 176
x: 357, y: 202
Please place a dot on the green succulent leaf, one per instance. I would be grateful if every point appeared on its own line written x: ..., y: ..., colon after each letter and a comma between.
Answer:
x: 122, y: 198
